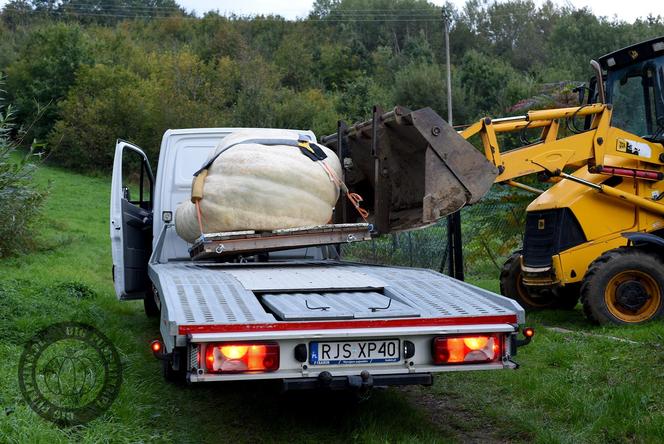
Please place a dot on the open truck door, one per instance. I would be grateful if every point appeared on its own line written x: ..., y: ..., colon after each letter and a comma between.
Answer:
x: 411, y: 167
x: 132, y: 189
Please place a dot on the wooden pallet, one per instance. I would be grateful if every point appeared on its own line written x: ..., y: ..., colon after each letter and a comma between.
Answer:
x: 247, y: 243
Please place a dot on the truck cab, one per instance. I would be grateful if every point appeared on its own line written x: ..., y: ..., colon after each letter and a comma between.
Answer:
x: 298, y: 314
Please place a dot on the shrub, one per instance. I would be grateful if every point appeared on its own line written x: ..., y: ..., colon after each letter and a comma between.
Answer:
x: 20, y: 201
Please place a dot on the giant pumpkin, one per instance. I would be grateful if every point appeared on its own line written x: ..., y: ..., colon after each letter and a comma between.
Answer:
x: 261, y: 186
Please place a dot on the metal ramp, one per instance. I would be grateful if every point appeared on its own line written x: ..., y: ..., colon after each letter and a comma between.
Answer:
x: 234, y: 243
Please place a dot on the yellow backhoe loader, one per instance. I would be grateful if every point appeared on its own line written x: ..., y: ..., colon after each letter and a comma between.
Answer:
x: 596, y: 234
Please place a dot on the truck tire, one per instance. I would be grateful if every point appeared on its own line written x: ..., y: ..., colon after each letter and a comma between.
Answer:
x: 624, y: 286
x: 512, y: 286
x: 150, y: 305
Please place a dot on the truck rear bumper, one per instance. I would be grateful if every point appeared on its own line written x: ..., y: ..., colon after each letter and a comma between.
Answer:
x: 385, y: 373
x: 356, y: 382
x: 293, y: 369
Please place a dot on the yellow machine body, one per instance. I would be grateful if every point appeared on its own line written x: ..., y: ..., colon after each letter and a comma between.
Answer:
x: 603, y: 214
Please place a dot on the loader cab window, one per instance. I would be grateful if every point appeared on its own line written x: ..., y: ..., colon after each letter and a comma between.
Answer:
x: 636, y: 94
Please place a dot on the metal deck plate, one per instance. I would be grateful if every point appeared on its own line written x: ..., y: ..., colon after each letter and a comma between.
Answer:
x: 291, y: 278
x: 329, y: 306
x: 440, y: 295
x: 196, y: 295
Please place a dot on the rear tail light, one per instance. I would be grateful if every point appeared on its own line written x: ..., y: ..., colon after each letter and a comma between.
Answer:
x: 234, y: 357
x: 157, y: 348
x: 466, y: 349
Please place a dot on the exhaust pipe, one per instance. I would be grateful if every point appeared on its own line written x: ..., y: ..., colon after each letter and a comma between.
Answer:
x: 600, y: 82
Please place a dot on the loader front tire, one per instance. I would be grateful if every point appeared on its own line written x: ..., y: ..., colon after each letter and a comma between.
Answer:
x: 624, y: 286
x: 511, y: 286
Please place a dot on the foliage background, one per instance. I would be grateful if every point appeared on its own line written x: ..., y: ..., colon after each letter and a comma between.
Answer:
x: 132, y: 69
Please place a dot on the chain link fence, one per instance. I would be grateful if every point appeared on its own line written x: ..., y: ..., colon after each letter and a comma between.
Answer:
x: 491, y: 230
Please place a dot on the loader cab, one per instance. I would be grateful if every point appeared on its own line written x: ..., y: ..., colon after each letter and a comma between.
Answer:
x: 635, y: 87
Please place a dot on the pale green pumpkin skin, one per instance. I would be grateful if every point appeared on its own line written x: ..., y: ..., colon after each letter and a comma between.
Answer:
x: 259, y: 187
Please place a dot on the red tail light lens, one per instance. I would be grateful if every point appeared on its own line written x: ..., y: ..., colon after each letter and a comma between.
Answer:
x: 156, y: 346
x: 242, y: 357
x: 466, y: 349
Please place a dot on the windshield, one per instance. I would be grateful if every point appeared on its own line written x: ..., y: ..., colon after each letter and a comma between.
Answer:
x: 636, y: 94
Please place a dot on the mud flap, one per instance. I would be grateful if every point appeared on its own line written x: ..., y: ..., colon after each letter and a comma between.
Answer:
x: 411, y: 167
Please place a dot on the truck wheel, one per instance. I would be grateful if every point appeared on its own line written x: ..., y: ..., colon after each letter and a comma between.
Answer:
x: 511, y: 285
x: 152, y: 309
x: 567, y: 297
x: 624, y: 286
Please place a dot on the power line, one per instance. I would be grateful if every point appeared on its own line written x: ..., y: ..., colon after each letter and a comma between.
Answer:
x: 143, y: 15
x: 346, y: 16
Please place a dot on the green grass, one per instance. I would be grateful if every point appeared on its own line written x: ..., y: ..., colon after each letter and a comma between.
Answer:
x: 578, y: 386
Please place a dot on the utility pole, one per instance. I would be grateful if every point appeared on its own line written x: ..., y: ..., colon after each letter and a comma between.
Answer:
x: 454, y: 246
x: 446, y: 22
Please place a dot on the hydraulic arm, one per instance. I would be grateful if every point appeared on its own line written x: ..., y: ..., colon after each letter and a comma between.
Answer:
x: 604, y: 149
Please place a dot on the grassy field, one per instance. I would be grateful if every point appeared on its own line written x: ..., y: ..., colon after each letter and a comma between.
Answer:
x: 578, y: 383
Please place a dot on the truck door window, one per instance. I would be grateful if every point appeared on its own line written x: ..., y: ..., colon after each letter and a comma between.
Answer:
x: 137, y: 181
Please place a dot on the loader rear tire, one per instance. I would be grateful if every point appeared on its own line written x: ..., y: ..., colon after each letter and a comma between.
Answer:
x: 511, y: 286
x: 624, y: 286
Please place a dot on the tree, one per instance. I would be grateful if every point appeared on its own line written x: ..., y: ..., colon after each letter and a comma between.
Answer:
x: 43, y: 72
x: 491, y: 84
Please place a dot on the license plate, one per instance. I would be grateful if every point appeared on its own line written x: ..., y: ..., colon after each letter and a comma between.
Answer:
x: 354, y: 352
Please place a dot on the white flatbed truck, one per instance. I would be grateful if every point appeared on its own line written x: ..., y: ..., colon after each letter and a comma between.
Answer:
x: 301, y: 314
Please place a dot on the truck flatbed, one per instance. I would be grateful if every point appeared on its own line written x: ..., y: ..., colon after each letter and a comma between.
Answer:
x: 208, y: 302
x: 225, y: 298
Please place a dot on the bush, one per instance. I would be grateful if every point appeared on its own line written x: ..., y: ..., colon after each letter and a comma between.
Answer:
x: 418, y: 85
x: 112, y: 101
x: 20, y: 201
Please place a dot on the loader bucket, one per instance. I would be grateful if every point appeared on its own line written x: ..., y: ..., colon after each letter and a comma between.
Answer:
x: 411, y: 168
